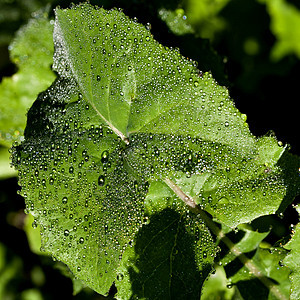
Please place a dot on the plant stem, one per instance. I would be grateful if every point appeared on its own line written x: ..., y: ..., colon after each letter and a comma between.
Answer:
x: 221, y: 235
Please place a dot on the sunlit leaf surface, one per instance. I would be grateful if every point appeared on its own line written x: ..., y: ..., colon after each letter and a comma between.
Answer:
x: 125, y: 115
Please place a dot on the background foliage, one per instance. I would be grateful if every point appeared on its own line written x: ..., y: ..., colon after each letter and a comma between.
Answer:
x: 250, y: 46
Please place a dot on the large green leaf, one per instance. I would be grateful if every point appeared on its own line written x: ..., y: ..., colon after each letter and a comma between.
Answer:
x: 126, y: 116
x: 135, y: 84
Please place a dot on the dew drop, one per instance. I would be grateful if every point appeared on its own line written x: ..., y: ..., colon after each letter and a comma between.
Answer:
x: 120, y: 277
x: 34, y: 224
x: 104, y: 157
x: 101, y: 180
x: 64, y: 200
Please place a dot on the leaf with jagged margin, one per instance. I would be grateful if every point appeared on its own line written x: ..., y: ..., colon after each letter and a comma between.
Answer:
x: 31, y: 51
x: 234, y: 187
x: 137, y: 85
x: 69, y: 121
x: 292, y: 261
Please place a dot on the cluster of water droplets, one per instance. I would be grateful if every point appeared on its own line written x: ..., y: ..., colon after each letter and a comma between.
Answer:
x: 74, y: 183
x: 86, y: 187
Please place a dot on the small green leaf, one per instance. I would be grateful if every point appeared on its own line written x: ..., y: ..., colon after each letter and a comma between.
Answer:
x: 6, y: 170
x: 33, y: 234
x: 249, y: 242
x: 32, y: 52
x: 216, y: 286
x: 205, y: 17
x: 176, y: 20
x: 292, y: 261
x: 285, y: 25
x: 270, y: 264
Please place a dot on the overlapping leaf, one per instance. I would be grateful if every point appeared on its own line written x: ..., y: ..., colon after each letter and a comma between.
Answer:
x: 173, y: 252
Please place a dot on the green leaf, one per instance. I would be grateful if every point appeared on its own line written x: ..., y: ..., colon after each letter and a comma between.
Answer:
x: 229, y: 184
x: 173, y: 252
x: 6, y: 171
x: 215, y: 287
x: 124, y: 117
x: 33, y: 234
x: 249, y: 242
x: 292, y: 260
x: 270, y: 264
x: 204, y: 16
x: 220, y: 285
x: 285, y: 25
x: 176, y: 20
x: 32, y: 52
x: 137, y: 85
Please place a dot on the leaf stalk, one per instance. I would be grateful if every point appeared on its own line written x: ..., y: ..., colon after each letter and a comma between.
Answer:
x: 189, y: 201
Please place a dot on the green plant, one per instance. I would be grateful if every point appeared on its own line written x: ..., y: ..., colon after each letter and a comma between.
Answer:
x: 128, y: 153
